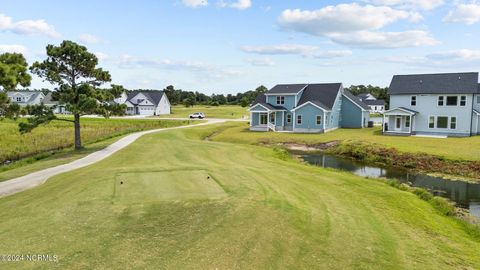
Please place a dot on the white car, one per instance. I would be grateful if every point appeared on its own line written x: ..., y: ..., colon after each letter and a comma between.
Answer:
x: 197, y: 115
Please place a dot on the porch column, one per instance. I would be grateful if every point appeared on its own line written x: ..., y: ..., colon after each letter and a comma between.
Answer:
x: 283, y: 118
x: 383, y: 123
x: 411, y: 123
x: 251, y: 118
x: 294, y: 120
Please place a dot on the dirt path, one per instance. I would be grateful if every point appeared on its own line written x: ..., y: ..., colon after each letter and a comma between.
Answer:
x: 28, y: 181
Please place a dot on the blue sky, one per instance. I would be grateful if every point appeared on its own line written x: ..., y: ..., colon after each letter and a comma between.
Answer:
x: 231, y: 46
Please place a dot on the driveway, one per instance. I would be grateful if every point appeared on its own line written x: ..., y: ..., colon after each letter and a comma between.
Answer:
x: 28, y: 181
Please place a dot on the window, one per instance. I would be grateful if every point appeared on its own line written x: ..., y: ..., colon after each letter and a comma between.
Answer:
x: 319, y: 119
x: 280, y: 100
x: 263, y: 119
x: 413, y: 100
x: 478, y: 99
x: 431, y: 122
x: 289, y: 118
x: 19, y: 99
x: 453, y: 122
x: 299, y: 119
x: 440, y: 100
x: 407, y: 122
x: 452, y: 100
x: 442, y: 122
x: 463, y: 100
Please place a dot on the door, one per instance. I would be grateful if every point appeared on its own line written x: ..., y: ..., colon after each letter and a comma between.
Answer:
x: 398, y: 123
x: 263, y: 119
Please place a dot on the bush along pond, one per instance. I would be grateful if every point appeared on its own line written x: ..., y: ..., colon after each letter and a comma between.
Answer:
x: 464, y: 194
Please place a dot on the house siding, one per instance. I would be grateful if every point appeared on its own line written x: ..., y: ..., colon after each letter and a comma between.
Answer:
x: 352, y: 115
x: 334, y: 117
x: 427, y: 106
x: 163, y: 106
x: 309, y: 113
x: 289, y: 101
x: 476, y: 105
x: 258, y: 108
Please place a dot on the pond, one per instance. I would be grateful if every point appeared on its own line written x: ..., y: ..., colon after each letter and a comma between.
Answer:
x: 464, y: 194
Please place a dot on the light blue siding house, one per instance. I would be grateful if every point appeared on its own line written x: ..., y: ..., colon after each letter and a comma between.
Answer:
x: 307, y: 108
x: 446, y: 104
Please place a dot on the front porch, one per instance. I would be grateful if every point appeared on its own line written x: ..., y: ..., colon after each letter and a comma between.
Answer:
x: 399, y: 121
x: 268, y: 119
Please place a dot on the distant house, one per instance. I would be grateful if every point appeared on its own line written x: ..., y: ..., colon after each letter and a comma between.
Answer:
x: 25, y: 97
x: 445, y: 104
x: 145, y: 102
x: 57, y: 107
x: 375, y: 105
x: 307, y: 108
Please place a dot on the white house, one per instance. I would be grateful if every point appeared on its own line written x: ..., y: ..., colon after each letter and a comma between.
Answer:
x: 24, y: 97
x: 375, y: 105
x: 145, y: 102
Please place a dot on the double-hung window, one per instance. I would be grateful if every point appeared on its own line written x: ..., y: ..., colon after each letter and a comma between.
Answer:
x: 289, y: 118
x: 431, y: 122
x: 453, y: 122
x: 441, y: 100
x: 299, y: 119
x: 413, y: 100
x: 452, y: 100
x: 280, y: 100
x: 407, y: 122
x: 463, y: 100
x: 478, y: 99
x: 319, y: 120
x: 19, y: 99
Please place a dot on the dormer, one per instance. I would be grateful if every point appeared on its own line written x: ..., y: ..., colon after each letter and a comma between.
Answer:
x: 285, y: 95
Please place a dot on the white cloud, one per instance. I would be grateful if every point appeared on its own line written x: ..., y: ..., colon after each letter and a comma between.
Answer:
x: 261, y: 62
x: 410, y: 4
x: 464, y: 13
x: 385, y: 40
x: 296, y: 49
x: 101, y: 56
x: 195, y: 3
x: 239, y: 4
x: 6, y: 48
x: 28, y: 27
x: 456, y: 55
x: 280, y: 49
x: 88, y: 38
x: 332, y: 54
x: 342, y: 18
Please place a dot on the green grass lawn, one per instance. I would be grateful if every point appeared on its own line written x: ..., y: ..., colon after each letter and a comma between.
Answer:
x: 451, y: 148
x: 58, y: 134
x: 224, y: 111
x: 187, y: 203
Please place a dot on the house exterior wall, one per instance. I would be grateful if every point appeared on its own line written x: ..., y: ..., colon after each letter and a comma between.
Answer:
x: 163, y: 106
x: 334, y: 117
x: 427, y: 106
x: 476, y: 102
x: 289, y: 101
x: 309, y: 114
x: 352, y: 115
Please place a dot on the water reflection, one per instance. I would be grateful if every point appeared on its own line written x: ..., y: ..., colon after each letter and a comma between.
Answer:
x: 465, y: 194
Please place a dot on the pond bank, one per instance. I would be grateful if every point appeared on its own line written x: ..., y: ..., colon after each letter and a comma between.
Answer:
x: 390, y: 157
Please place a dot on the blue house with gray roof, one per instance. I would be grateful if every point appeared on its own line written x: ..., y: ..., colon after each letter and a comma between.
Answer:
x: 307, y: 108
x: 446, y: 104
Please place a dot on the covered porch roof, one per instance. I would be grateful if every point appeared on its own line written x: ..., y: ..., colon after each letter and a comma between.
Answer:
x: 268, y: 108
x: 400, y: 111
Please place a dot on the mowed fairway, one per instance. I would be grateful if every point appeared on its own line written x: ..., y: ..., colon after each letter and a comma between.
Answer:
x: 186, y: 203
x: 223, y: 111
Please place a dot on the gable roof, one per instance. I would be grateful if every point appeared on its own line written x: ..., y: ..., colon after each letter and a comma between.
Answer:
x: 373, y: 102
x: 440, y: 83
x: 364, y: 96
x: 321, y: 94
x: 355, y: 100
x: 286, y: 89
x: 152, y: 96
x: 48, y: 99
x: 262, y: 100
x: 32, y: 94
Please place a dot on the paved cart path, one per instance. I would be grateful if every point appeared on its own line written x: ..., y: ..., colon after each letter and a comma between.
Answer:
x: 34, y: 179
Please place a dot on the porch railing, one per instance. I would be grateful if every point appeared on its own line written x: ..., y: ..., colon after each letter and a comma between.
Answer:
x: 271, y: 126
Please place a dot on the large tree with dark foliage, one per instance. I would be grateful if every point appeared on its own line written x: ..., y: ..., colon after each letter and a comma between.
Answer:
x: 13, y: 72
x: 73, y: 70
x: 378, y: 92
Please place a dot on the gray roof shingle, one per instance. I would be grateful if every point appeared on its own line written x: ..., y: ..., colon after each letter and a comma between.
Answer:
x: 378, y: 102
x: 440, y: 83
x: 286, y: 88
x: 152, y: 96
x: 321, y: 94
x: 355, y: 99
